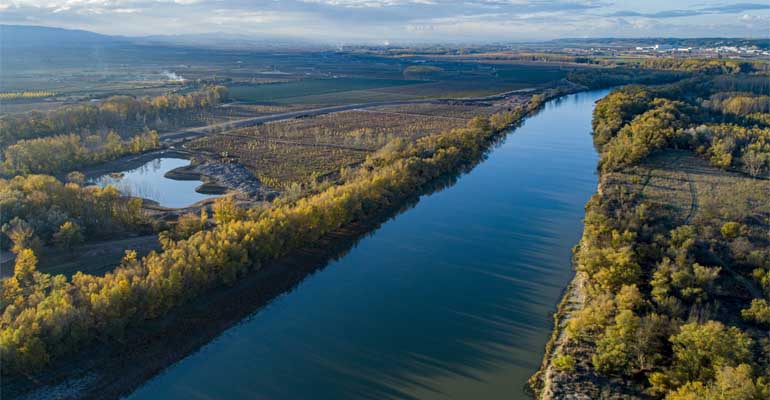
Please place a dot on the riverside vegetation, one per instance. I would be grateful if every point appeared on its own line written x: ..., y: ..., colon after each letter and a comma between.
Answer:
x: 45, y: 317
x: 74, y: 136
x: 672, y: 291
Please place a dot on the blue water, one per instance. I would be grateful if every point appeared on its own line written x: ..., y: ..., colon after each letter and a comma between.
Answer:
x: 450, y: 299
x: 147, y: 181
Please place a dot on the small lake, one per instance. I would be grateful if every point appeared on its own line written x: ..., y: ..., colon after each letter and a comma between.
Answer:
x: 451, y: 299
x: 148, y: 181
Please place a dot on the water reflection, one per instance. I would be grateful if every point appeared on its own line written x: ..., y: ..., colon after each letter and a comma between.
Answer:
x: 451, y: 299
x: 148, y: 181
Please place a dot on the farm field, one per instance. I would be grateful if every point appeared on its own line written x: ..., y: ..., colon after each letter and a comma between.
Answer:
x: 366, y: 128
x: 294, y: 92
x: 301, y: 150
x: 281, y: 166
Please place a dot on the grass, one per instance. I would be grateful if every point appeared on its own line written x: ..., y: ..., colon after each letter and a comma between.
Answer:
x: 696, y: 191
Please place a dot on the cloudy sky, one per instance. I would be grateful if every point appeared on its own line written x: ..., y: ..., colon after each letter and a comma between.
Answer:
x: 401, y: 20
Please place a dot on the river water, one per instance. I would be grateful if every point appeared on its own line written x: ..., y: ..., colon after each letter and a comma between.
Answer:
x: 449, y: 300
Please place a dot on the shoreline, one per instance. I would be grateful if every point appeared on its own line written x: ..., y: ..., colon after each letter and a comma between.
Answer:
x: 101, y: 372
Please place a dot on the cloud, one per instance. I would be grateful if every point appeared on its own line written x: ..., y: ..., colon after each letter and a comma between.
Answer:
x: 397, y: 20
x: 721, y: 9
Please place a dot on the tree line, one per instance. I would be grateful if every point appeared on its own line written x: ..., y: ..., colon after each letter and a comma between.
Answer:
x: 40, y: 209
x: 728, y: 128
x: 116, y: 111
x: 54, y: 154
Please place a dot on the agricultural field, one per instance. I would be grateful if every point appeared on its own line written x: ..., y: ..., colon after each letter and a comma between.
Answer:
x: 301, y: 150
x: 305, y: 91
x: 452, y: 110
x: 365, y: 128
x: 281, y: 166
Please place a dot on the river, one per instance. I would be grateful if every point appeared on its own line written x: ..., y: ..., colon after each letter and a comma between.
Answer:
x: 449, y: 300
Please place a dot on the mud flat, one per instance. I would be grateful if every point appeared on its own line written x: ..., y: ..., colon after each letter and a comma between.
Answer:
x: 219, y: 177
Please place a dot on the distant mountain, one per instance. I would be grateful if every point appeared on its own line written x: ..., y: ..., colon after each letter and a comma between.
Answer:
x: 28, y: 36
x: 35, y: 37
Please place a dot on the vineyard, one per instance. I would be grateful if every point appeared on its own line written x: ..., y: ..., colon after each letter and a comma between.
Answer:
x: 299, y: 151
x: 281, y: 165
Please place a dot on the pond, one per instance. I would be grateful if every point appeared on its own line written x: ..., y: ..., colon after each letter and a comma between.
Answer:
x: 449, y: 300
x: 148, y: 181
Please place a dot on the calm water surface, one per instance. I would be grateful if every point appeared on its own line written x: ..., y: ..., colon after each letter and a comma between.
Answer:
x: 148, y: 181
x: 449, y: 300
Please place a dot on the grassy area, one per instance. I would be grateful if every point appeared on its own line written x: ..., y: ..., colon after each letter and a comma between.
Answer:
x: 694, y: 190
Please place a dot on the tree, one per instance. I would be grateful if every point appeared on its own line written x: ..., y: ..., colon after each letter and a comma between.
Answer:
x: 25, y: 268
x: 700, y: 350
x: 730, y: 230
x: 68, y: 236
x: 732, y: 383
x: 629, y: 298
x: 76, y: 177
x: 225, y: 210
x: 188, y: 224
x: 759, y: 312
x: 22, y: 235
x: 755, y: 162
x: 564, y: 362
x: 615, y: 350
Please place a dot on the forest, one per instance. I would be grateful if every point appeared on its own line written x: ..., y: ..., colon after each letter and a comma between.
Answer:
x: 676, y: 295
x: 115, y: 112
x: 72, y: 137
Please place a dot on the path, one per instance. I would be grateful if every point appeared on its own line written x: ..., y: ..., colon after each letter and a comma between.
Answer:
x: 693, y: 199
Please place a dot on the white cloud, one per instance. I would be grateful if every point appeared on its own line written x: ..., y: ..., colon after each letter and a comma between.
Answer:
x: 422, y: 20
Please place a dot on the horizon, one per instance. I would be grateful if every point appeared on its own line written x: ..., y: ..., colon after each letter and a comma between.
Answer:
x: 398, y: 21
x: 309, y: 41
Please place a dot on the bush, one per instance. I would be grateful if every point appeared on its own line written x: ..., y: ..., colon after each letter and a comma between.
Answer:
x: 564, y: 363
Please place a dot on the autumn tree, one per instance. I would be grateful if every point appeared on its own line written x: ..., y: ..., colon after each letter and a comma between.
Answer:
x: 69, y: 235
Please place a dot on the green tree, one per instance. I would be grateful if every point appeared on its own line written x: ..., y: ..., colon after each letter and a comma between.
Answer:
x: 730, y: 230
x: 700, y: 350
x: 616, y: 349
x: 759, y: 312
x: 732, y: 383
x: 69, y: 235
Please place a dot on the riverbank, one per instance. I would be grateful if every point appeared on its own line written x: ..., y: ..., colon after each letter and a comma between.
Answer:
x: 111, y: 371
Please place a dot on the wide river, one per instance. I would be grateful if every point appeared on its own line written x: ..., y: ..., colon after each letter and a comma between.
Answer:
x: 449, y: 300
